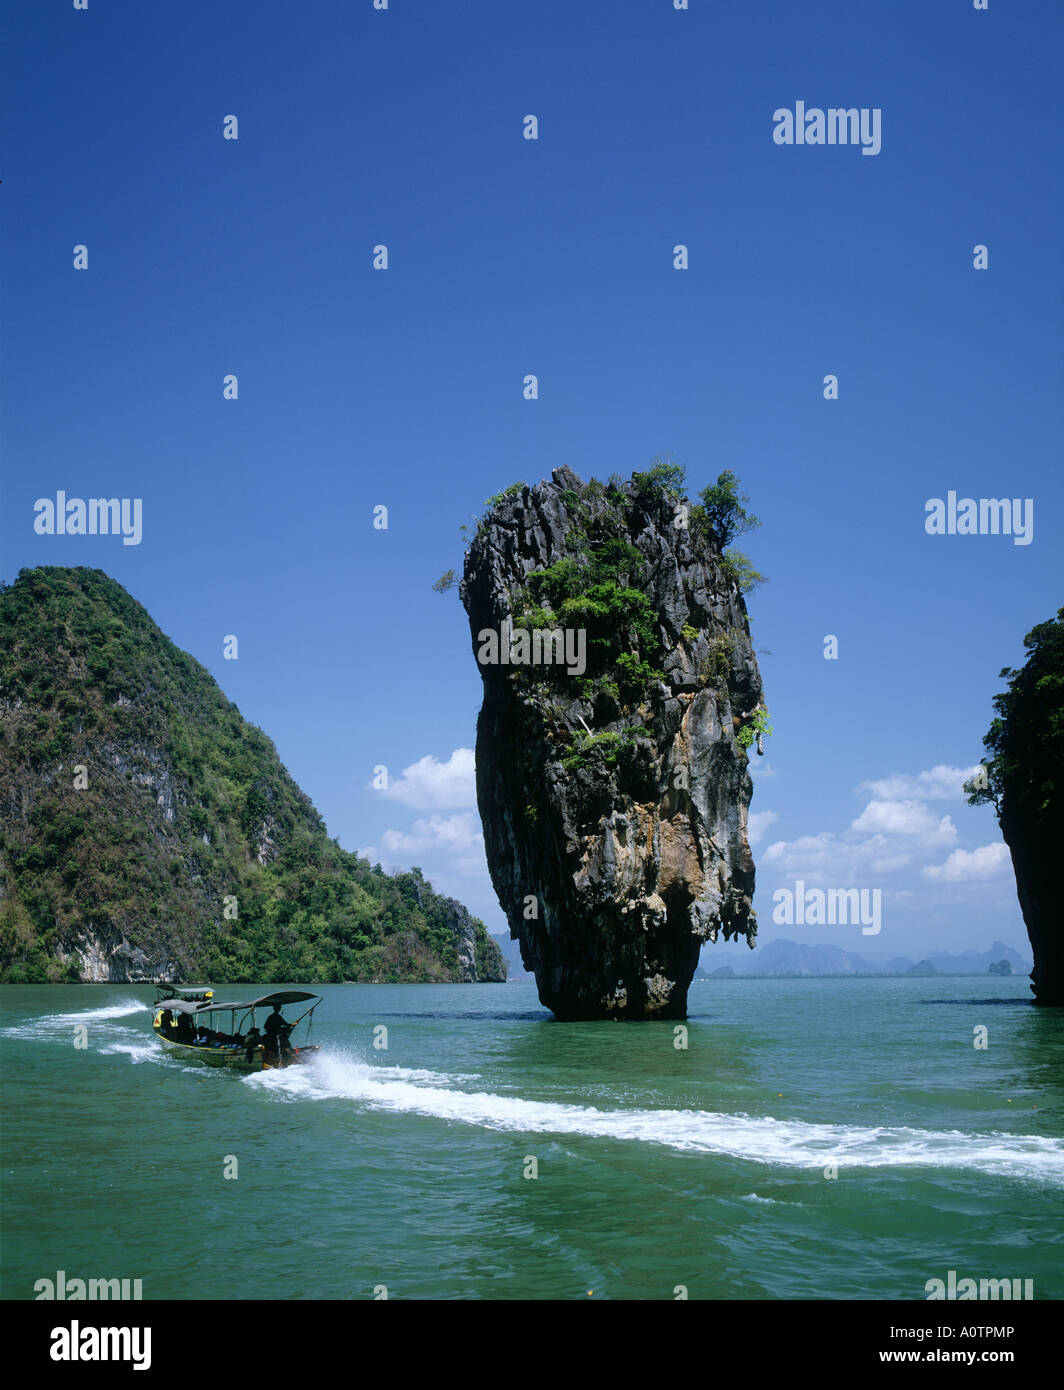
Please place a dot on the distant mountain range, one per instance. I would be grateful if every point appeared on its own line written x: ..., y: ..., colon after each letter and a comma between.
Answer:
x: 511, y: 954
x: 792, y: 958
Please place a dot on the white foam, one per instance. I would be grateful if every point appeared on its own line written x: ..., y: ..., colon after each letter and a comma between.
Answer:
x: 49, y: 1025
x: 758, y: 1139
x: 148, y: 1051
x: 108, y: 1011
x: 334, y: 1075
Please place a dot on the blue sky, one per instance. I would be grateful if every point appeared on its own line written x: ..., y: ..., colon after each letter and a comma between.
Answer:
x: 403, y: 387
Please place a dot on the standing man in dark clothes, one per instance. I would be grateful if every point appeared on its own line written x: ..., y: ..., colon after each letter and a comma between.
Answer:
x: 277, y: 1029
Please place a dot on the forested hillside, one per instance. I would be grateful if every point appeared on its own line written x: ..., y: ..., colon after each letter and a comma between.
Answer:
x: 148, y: 831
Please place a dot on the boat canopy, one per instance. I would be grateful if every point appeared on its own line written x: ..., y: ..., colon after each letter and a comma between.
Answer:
x: 287, y: 996
x: 217, y: 1008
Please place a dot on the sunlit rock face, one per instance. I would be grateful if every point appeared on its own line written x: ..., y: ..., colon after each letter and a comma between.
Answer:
x: 615, y: 859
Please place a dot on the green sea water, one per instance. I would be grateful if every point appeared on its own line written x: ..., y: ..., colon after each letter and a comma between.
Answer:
x: 656, y: 1167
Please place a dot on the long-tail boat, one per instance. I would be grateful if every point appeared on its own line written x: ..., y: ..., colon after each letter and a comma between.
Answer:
x: 186, y: 1021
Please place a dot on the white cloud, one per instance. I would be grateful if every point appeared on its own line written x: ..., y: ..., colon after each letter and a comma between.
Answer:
x: 903, y: 818
x: 431, y: 785
x: 761, y: 769
x: 455, y: 842
x: 832, y: 859
x: 884, y: 838
x: 757, y: 823
x: 895, y: 833
x: 988, y: 861
x: 940, y: 783
x: 458, y: 834
x: 887, y: 863
x: 813, y: 848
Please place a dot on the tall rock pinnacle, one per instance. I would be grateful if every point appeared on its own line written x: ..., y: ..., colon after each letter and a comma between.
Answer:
x: 1022, y: 776
x: 612, y: 779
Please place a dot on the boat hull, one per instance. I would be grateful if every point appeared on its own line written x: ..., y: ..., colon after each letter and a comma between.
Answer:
x: 235, y: 1059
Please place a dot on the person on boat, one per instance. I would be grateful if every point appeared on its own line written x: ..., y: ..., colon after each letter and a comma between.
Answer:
x: 277, y: 1031
x: 185, y: 1032
x: 166, y: 1022
x: 252, y: 1042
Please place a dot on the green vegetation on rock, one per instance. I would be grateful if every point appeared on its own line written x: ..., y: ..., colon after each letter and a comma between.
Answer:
x: 605, y: 747
x: 718, y: 518
x: 756, y: 727
x: 600, y: 582
x: 1024, y: 773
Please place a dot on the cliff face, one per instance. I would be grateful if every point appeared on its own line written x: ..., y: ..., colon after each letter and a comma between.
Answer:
x: 614, y: 799
x: 1023, y: 778
x: 148, y: 832
x: 1033, y: 859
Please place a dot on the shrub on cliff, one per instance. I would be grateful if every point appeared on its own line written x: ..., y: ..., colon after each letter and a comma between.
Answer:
x: 1024, y: 775
x: 721, y: 515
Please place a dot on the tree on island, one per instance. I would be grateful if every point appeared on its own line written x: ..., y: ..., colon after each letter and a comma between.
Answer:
x: 722, y: 514
x: 1023, y: 778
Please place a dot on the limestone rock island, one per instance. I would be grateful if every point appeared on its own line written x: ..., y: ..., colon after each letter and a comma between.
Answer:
x: 1022, y: 777
x: 621, y: 693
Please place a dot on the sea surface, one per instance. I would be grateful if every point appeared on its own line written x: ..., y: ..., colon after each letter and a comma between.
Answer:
x: 656, y: 1167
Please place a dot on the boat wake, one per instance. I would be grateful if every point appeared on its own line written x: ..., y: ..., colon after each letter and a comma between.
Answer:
x: 137, y: 1050
x: 440, y: 1096
x: 105, y: 1034
x: 758, y: 1139
x: 55, y: 1027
